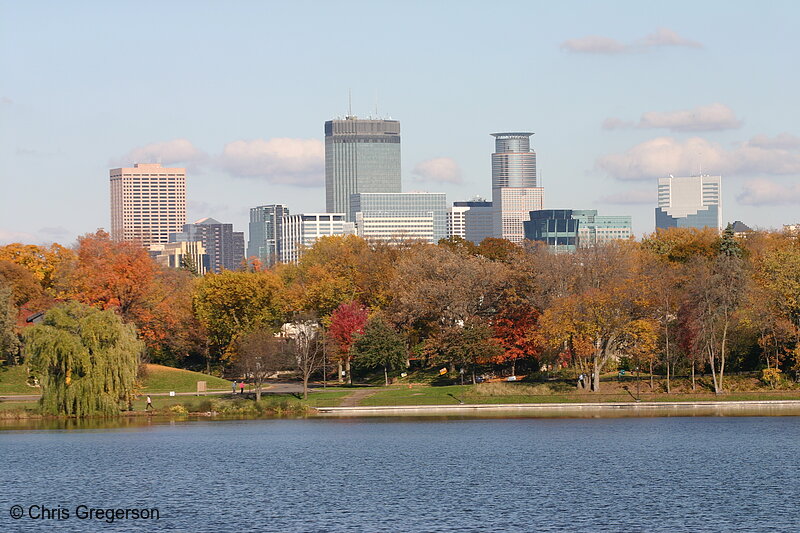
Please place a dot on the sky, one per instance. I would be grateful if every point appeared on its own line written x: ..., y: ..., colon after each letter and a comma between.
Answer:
x: 617, y: 93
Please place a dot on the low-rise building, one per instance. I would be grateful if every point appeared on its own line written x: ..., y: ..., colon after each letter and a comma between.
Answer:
x: 565, y: 230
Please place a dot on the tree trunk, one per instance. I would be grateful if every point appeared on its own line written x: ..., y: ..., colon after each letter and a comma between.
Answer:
x: 514, y: 367
x: 347, y: 371
x: 669, y: 390
x: 473, y: 375
x: 386, y: 375
x: 596, y: 373
x: 712, y: 361
x: 258, y: 392
x: 305, y: 387
x: 339, y: 375
x: 694, y: 386
x: 651, y: 375
x: 722, y: 356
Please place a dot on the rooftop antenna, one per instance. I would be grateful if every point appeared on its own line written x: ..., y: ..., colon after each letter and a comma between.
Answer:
x: 700, y: 162
x: 349, y: 102
x: 376, y: 104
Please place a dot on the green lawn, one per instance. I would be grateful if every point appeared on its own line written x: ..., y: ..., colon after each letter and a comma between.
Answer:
x: 164, y: 379
x: 12, y: 381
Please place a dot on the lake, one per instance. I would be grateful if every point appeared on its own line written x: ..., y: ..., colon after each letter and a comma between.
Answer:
x: 453, y: 475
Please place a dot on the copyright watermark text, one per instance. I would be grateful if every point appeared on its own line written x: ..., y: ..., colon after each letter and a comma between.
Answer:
x: 83, y: 512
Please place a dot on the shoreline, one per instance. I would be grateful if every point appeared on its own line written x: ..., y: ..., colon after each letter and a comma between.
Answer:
x: 578, y: 410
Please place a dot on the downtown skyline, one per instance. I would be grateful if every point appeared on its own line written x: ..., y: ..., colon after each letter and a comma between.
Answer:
x: 618, y: 98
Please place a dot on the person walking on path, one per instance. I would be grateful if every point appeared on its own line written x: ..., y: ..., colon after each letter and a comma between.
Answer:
x: 241, y: 387
x: 149, y: 404
x: 234, y: 386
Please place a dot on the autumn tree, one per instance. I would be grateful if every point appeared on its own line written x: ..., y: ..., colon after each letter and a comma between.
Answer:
x: 463, y: 346
x: 259, y: 354
x: 514, y: 328
x: 85, y: 359
x: 24, y: 286
x: 9, y: 340
x: 233, y: 303
x: 305, y: 344
x: 48, y: 264
x: 347, y: 322
x: 379, y: 346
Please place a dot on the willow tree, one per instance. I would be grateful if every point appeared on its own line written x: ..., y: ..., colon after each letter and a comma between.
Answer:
x: 85, y: 360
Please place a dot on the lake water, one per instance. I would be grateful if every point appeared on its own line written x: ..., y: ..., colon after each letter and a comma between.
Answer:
x: 396, y: 475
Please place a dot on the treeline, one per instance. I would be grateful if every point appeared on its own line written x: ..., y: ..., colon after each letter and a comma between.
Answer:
x: 680, y: 301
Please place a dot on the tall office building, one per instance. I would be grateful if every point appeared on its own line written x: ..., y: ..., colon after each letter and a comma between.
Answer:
x: 400, y: 216
x: 514, y: 187
x: 181, y: 255
x: 360, y: 156
x: 148, y: 202
x: 694, y: 202
x: 264, y: 240
x: 564, y: 230
x: 225, y: 247
x: 303, y: 230
x: 471, y: 220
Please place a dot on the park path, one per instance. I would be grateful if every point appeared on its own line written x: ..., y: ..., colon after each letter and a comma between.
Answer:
x: 355, y: 398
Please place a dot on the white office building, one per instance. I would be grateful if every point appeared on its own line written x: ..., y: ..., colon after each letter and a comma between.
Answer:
x: 693, y: 202
x: 301, y: 231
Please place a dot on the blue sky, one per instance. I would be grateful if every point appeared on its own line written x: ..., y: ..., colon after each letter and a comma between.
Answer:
x: 618, y: 93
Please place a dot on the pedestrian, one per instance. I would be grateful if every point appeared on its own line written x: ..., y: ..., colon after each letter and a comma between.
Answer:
x: 241, y: 387
x: 234, y: 386
x: 149, y: 404
x: 580, y: 382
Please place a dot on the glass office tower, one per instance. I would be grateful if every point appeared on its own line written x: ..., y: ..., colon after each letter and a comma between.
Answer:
x: 360, y: 156
x: 265, y: 233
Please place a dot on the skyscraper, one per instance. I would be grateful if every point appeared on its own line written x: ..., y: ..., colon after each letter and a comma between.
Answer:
x: 514, y: 187
x: 265, y: 233
x: 225, y: 247
x: 148, y: 202
x: 694, y: 202
x: 360, y: 156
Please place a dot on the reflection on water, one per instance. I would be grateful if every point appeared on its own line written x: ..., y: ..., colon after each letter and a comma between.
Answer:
x: 700, y: 474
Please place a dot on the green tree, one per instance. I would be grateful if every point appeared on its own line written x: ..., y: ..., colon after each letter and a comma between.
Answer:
x: 85, y: 359
x: 380, y: 346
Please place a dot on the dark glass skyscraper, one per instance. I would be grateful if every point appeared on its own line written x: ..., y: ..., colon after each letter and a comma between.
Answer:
x: 360, y: 156
x: 265, y: 233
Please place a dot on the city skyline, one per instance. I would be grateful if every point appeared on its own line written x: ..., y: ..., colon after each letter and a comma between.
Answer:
x: 617, y: 103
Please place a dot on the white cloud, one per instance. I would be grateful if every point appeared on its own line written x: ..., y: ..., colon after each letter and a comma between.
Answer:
x: 439, y: 169
x: 704, y: 118
x: 55, y: 232
x: 8, y: 237
x: 666, y: 37
x: 666, y: 155
x: 632, y: 197
x: 767, y: 192
x: 280, y: 160
x: 598, y: 44
x: 6, y: 100
x: 782, y: 141
x: 167, y: 153
x: 594, y: 44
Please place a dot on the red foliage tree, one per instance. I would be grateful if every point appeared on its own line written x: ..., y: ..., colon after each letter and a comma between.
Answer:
x: 347, y: 321
x: 514, y: 328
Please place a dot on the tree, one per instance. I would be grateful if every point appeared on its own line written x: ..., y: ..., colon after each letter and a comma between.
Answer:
x: 24, y: 285
x: 464, y: 346
x: 347, y: 322
x: 233, y: 302
x: 514, y: 328
x: 113, y: 275
x: 380, y: 346
x: 85, y: 359
x: 9, y: 340
x: 306, y: 345
x: 47, y: 264
x: 260, y: 354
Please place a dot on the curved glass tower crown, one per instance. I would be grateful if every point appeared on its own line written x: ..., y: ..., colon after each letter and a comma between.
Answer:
x: 513, y: 163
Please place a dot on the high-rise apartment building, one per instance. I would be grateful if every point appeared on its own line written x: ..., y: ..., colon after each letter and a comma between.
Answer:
x: 564, y: 230
x: 514, y: 187
x: 225, y: 247
x: 693, y: 202
x: 400, y: 216
x: 303, y: 230
x: 360, y: 156
x: 148, y: 202
x: 264, y: 241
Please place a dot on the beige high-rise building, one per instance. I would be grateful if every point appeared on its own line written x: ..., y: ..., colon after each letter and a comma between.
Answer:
x: 148, y: 202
